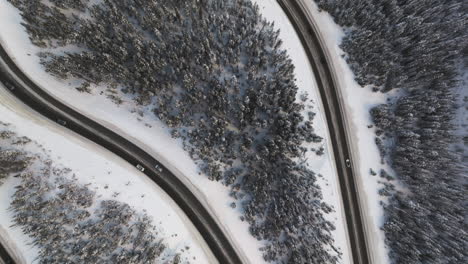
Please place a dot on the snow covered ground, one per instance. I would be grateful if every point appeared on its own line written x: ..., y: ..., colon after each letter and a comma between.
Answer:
x: 143, y: 129
x: 306, y: 82
x: 357, y: 103
x: 111, y: 177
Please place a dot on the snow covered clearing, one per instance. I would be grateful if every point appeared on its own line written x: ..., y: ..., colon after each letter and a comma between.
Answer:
x: 140, y: 126
x: 111, y: 177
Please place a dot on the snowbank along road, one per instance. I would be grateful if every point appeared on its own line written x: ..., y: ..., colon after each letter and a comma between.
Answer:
x: 313, y: 45
x: 32, y: 95
x: 28, y: 92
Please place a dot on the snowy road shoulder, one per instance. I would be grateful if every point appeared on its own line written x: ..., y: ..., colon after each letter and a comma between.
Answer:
x: 155, y: 138
x: 323, y: 164
x: 357, y: 103
x: 111, y: 178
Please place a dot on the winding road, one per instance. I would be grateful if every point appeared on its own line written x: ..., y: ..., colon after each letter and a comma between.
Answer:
x: 33, y: 96
x: 315, y: 49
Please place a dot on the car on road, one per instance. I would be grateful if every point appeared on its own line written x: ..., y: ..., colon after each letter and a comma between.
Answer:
x: 158, y: 167
x: 140, y: 168
x: 62, y: 122
x: 348, y: 163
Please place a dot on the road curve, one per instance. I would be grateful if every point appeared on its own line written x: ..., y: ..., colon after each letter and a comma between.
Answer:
x: 32, y: 95
x: 315, y: 49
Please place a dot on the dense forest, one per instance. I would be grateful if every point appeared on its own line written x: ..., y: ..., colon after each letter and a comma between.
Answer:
x: 66, y: 220
x: 420, y: 48
x: 215, y: 72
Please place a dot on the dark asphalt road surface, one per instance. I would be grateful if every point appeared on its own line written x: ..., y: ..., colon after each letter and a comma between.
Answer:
x: 33, y: 96
x: 29, y: 93
x: 308, y: 34
x: 5, y: 257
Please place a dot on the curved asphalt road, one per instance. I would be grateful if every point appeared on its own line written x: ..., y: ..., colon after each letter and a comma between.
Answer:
x: 314, y: 46
x: 33, y: 96
x: 28, y: 92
